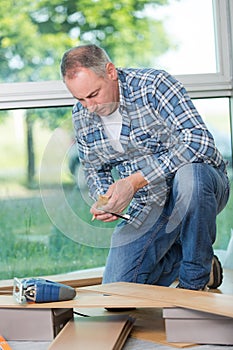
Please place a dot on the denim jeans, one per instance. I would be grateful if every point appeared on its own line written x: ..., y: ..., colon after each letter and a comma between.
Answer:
x: 177, y: 240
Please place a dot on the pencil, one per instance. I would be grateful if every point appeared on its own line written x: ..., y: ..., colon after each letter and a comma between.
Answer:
x: 121, y: 216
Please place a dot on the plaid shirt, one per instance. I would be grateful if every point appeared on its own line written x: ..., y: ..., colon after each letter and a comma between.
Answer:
x: 161, y: 131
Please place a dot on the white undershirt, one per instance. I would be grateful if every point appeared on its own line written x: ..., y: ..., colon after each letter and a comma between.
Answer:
x: 112, y: 126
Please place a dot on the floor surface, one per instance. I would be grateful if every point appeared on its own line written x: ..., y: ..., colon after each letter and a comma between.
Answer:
x: 138, y: 344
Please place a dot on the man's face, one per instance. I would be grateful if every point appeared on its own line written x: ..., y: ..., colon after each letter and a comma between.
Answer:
x: 97, y: 94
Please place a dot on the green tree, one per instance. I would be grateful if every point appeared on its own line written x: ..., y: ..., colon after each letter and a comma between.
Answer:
x: 35, y: 34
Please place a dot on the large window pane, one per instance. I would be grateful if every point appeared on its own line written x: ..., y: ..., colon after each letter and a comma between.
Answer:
x: 45, y: 224
x: 190, y: 27
x: 34, y: 241
x: 215, y: 112
x: 176, y: 35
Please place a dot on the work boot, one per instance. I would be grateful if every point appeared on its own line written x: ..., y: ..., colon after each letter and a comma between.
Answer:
x: 216, y: 274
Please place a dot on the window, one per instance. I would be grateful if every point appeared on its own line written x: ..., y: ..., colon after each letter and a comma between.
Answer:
x: 193, y: 42
x: 190, y: 24
x: 40, y: 233
x: 54, y: 93
x: 216, y: 115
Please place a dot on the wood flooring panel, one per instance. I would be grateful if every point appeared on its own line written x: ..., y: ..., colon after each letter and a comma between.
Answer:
x: 99, y: 333
x: 149, y: 324
x: 220, y: 304
x: 85, y: 299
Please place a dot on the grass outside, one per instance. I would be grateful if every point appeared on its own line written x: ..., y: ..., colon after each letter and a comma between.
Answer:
x: 31, y: 245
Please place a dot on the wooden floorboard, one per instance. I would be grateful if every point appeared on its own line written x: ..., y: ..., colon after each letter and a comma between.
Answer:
x: 149, y: 332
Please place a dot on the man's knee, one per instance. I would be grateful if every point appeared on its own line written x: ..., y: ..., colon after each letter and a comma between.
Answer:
x: 191, y: 184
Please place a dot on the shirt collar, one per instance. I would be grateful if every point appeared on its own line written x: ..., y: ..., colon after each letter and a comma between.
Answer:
x: 123, y: 91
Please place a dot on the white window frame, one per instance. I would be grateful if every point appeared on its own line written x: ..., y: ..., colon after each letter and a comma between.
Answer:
x: 54, y: 93
x: 218, y: 84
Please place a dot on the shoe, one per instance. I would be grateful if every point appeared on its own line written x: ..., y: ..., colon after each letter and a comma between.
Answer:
x: 216, y: 274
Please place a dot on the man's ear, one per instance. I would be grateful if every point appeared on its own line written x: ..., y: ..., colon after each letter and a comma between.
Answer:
x: 111, y: 71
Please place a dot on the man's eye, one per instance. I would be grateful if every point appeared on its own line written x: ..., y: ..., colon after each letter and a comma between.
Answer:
x: 93, y: 95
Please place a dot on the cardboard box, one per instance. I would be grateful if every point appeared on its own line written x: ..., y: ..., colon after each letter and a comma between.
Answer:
x: 191, y: 326
x: 33, y: 324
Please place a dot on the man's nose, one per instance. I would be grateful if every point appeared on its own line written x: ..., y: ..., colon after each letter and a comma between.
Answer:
x: 90, y: 105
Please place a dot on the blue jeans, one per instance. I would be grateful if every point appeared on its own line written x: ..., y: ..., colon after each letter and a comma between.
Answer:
x: 175, y: 242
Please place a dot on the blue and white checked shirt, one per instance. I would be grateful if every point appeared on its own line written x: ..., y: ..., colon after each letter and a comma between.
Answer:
x: 161, y: 131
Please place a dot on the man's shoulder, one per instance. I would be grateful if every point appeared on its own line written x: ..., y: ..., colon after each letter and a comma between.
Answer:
x: 137, y: 76
x: 80, y: 116
x: 77, y: 107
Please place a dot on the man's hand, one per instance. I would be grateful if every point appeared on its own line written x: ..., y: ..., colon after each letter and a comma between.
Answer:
x: 101, y: 215
x: 120, y: 194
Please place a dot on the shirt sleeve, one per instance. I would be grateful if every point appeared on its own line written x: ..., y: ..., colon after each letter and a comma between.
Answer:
x: 98, y: 175
x: 184, y: 139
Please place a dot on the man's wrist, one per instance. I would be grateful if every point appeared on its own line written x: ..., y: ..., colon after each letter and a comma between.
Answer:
x: 137, y: 181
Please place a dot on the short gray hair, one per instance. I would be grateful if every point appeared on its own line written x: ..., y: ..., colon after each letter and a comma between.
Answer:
x: 88, y: 56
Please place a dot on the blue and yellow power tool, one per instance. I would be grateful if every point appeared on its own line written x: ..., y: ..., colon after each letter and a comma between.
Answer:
x: 40, y: 290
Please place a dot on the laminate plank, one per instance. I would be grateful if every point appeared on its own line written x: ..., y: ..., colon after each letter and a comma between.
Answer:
x: 99, y: 333
x: 220, y: 304
x: 85, y: 299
